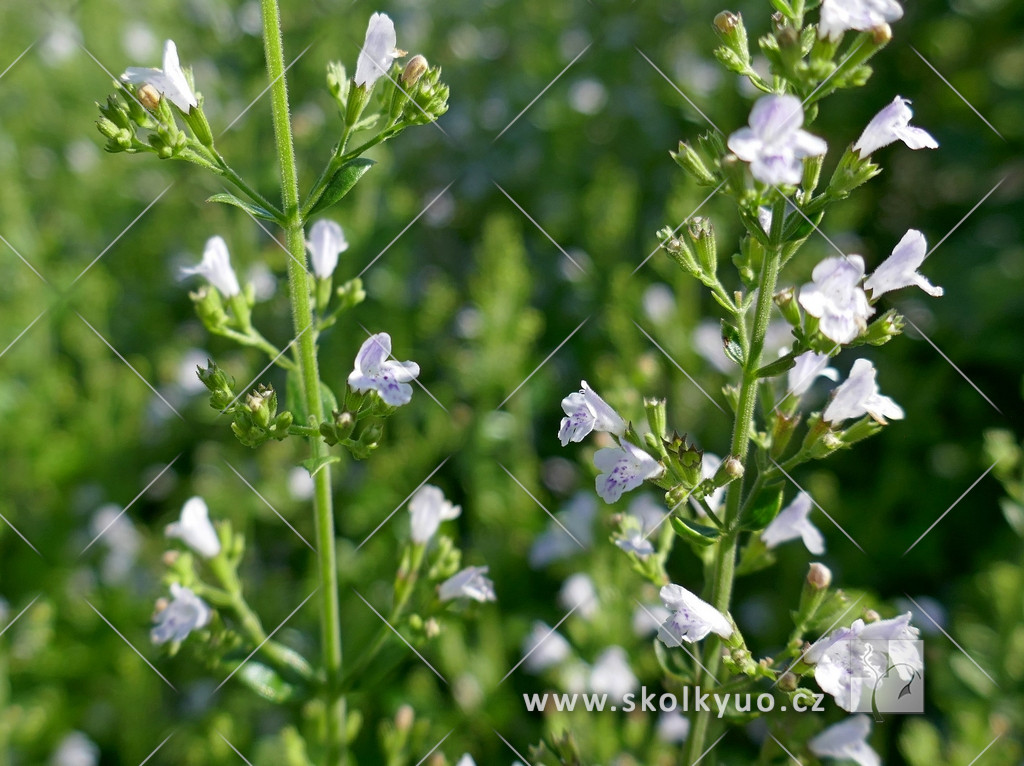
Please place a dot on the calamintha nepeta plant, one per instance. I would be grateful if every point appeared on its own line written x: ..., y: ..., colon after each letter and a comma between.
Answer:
x: 383, y: 98
x: 771, y: 169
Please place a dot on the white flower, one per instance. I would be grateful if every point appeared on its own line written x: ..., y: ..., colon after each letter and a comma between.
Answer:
x: 692, y: 618
x: 791, y: 523
x: 378, y: 50
x: 578, y: 594
x: 612, y: 675
x: 469, y: 583
x: 900, y: 637
x: 115, y: 530
x: 466, y: 760
x: 544, y: 648
x: 429, y: 508
x: 774, y: 144
x: 573, y: 533
x: 634, y: 541
x: 673, y: 727
x: 216, y: 267
x: 185, y: 613
x: 389, y: 378
x: 75, y: 749
x: 838, y: 16
x: 194, y: 528
x: 900, y: 269
x: 647, y: 618
x: 890, y: 125
x: 326, y: 240
x: 622, y: 469
x: 170, y: 80
x: 836, y: 298
x: 858, y: 395
x: 585, y: 412
x: 850, y: 662
x: 809, y: 366
x: 847, y: 741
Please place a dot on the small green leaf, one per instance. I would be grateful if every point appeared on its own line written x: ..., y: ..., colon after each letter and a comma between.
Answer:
x: 731, y: 343
x: 763, y: 508
x: 266, y: 682
x: 252, y: 209
x: 694, y: 533
x: 779, y: 366
x: 342, y: 182
x: 314, y: 464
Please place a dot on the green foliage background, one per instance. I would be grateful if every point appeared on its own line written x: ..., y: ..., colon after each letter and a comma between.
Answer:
x: 479, y: 296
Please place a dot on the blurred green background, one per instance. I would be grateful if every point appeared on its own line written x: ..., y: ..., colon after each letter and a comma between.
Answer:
x: 480, y: 296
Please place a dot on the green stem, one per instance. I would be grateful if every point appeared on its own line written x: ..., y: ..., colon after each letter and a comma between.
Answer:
x: 302, y: 317
x: 724, y: 572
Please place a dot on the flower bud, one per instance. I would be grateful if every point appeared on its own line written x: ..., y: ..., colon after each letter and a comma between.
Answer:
x: 788, y: 682
x: 431, y: 628
x: 262, y: 403
x: 170, y: 558
x: 870, y: 615
x: 656, y: 417
x: 148, y: 96
x: 691, y: 162
x: 730, y: 470
x: 881, y: 34
x: 414, y: 70
x: 819, y: 576
x: 735, y: 51
x: 786, y: 301
x: 702, y: 233
x: 404, y: 718
x: 679, y: 251
x: 884, y: 329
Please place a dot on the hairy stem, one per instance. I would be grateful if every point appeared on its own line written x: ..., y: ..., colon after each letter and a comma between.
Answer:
x: 306, y: 359
x: 724, y: 570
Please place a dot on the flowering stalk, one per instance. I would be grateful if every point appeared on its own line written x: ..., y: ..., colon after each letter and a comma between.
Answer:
x: 724, y: 573
x: 302, y: 320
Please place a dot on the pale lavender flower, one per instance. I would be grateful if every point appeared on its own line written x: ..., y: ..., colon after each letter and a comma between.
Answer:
x: 838, y: 16
x: 692, y: 618
x: 470, y: 583
x: 185, y: 613
x: 325, y: 242
x: 847, y: 741
x: 216, y: 267
x: 378, y: 51
x: 622, y: 469
x: 585, y: 412
x: 673, y: 727
x: 374, y: 370
x: 466, y: 760
x: 900, y: 639
x: 900, y: 269
x: 75, y: 749
x: 633, y: 541
x: 544, y: 648
x: 858, y: 395
x: 429, y: 508
x: 578, y: 593
x: 774, y: 144
x: 647, y: 618
x: 793, y: 523
x: 612, y: 675
x: 890, y: 125
x: 194, y: 528
x: 809, y: 366
x: 573, y: 533
x: 850, y: 661
x: 837, y: 299
x: 170, y: 81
